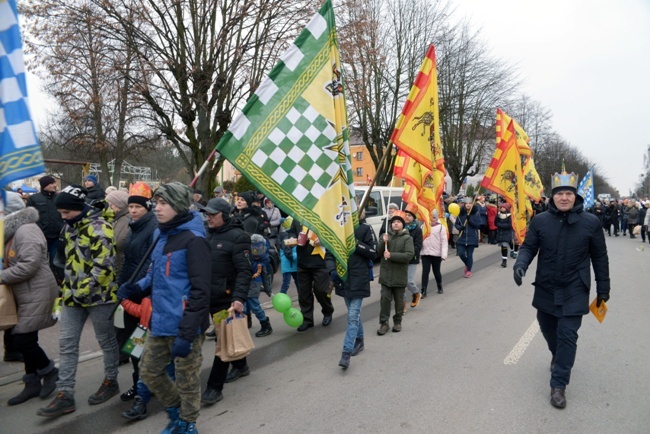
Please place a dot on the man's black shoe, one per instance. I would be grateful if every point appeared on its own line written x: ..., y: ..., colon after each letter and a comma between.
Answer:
x: 558, y: 400
x: 304, y: 326
x: 211, y: 396
x: 235, y: 373
x: 327, y: 320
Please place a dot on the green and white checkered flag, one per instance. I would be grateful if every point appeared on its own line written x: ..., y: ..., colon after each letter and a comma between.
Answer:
x: 291, y: 139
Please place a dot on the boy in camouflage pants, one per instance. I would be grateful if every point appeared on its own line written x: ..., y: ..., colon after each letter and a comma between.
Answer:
x: 179, y: 283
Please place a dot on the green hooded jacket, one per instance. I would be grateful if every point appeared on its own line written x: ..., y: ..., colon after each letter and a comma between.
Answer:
x: 393, y: 272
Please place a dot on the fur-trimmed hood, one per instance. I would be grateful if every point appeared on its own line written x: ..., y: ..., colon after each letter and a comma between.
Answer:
x: 15, y: 220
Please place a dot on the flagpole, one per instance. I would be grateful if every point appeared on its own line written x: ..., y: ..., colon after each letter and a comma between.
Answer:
x: 203, y: 167
x: 382, y: 163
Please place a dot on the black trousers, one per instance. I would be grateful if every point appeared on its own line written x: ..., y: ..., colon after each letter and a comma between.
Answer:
x: 430, y: 263
x: 561, y: 334
x: 314, y: 282
x: 27, y: 345
x: 219, y: 372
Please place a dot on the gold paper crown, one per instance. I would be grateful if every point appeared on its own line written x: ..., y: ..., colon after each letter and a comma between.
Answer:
x: 564, y: 180
x: 140, y: 189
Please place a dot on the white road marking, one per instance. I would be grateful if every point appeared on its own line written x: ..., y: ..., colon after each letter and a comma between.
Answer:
x: 521, y: 346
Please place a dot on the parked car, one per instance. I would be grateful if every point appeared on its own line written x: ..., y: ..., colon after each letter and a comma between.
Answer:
x: 377, y: 206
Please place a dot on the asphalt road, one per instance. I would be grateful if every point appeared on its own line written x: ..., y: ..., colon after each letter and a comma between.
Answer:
x: 468, y: 361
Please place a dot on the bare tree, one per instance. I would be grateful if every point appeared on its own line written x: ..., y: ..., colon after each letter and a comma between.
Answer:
x: 383, y: 44
x: 471, y: 85
x: 201, y: 59
x: 90, y: 77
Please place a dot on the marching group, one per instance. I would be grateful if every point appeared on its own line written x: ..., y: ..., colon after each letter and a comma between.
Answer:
x: 172, y: 259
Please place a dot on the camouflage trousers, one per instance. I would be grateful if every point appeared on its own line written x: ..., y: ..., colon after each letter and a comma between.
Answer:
x: 186, y: 391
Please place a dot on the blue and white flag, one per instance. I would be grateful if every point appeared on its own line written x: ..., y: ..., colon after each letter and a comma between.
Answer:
x: 586, y: 188
x: 20, y: 152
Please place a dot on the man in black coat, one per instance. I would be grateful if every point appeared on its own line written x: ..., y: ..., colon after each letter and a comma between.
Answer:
x: 231, y: 277
x: 567, y: 239
x: 49, y: 218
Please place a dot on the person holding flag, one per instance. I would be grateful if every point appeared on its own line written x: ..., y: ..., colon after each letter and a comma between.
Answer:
x: 567, y: 240
x: 396, y: 250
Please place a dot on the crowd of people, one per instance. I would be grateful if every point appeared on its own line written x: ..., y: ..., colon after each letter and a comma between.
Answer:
x: 172, y: 259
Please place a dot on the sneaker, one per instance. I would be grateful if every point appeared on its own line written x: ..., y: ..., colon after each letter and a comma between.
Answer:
x: 183, y: 427
x: 397, y: 327
x: 211, y: 335
x: 138, y: 411
x: 211, y: 396
x: 235, y: 373
x: 107, y: 390
x: 468, y: 274
x: 358, y: 347
x: 416, y: 299
x: 62, y: 404
x: 383, y: 329
x: 129, y: 394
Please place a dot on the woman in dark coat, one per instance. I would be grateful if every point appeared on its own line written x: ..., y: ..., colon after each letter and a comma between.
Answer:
x: 503, y: 223
x: 356, y: 287
x: 468, y: 224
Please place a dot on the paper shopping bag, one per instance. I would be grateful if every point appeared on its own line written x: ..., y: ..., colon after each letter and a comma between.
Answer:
x: 233, y: 338
x: 8, y: 312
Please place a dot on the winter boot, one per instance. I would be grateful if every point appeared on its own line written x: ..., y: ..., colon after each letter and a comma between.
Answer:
x: 183, y: 427
x: 32, y: 389
x: 345, y: 360
x: 265, y: 330
x: 383, y: 329
x: 174, y: 417
x: 504, y: 262
x: 138, y: 411
x: 440, y: 291
x: 107, y: 390
x: 49, y: 375
x: 358, y: 346
x: 63, y: 403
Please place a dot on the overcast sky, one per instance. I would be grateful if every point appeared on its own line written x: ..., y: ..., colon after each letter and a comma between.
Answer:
x: 588, y: 62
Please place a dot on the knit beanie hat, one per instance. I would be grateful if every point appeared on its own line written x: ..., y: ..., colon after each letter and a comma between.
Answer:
x: 249, y: 197
x: 91, y: 178
x: 177, y: 195
x: 46, y: 180
x: 140, y: 193
x: 72, y: 198
x: 118, y: 198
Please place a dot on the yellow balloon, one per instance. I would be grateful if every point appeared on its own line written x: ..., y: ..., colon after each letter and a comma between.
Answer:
x: 454, y: 209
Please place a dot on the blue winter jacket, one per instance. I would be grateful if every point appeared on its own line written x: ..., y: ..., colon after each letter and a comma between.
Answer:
x: 179, y: 279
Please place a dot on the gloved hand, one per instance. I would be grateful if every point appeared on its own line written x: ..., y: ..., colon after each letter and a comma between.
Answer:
x: 181, y: 347
x: 602, y: 296
x: 336, y: 280
x: 126, y: 290
x: 518, y: 275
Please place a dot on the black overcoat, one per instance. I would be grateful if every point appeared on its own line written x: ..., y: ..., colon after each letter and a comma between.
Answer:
x: 567, y: 242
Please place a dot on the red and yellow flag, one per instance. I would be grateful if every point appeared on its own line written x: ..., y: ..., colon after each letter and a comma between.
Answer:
x: 418, y: 192
x: 533, y: 186
x: 505, y: 177
x: 417, y: 136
